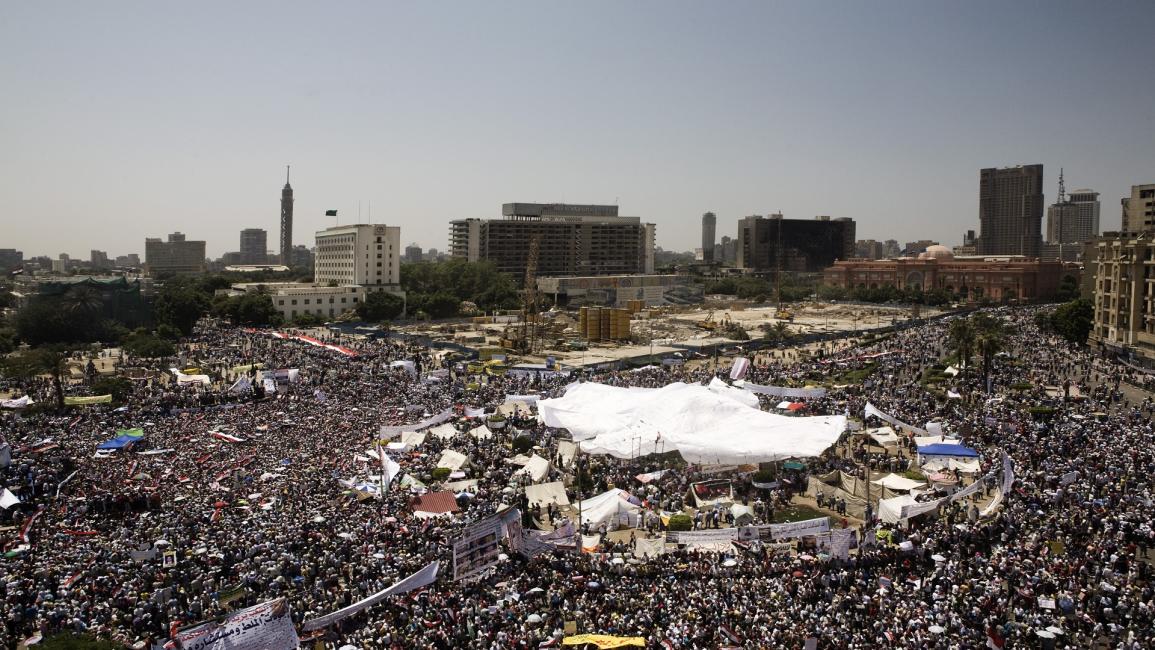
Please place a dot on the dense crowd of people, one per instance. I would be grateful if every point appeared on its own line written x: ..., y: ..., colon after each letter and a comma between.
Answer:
x: 187, y: 525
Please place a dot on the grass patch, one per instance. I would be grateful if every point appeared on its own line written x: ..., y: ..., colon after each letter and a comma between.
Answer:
x: 856, y: 376
x: 795, y: 513
x: 914, y: 475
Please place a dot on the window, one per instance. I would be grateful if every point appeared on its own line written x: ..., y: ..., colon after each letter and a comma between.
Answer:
x: 306, y: 301
x: 294, y: 311
x: 280, y: 302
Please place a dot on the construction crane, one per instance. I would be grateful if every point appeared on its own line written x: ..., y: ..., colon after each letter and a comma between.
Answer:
x: 529, y: 298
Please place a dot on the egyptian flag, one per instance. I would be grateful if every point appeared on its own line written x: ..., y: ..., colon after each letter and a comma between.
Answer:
x: 995, y: 639
x: 729, y: 634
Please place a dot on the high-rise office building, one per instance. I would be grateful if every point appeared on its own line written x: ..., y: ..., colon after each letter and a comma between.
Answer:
x: 797, y: 245
x: 286, y: 248
x: 11, y: 259
x: 254, y: 246
x: 709, y: 223
x: 413, y: 253
x: 364, y: 254
x: 1139, y: 209
x: 177, y: 255
x: 98, y: 259
x: 573, y: 240
x: 1074, y: 219
x: 1011, y: 210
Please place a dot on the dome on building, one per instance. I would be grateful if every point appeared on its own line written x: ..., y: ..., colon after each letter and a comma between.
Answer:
x: 936, y: 252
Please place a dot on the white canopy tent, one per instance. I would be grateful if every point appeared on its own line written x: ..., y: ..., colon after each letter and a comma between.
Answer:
x: 546, y: 493
x: 900, y: 483
x: 444, y: 431
x: 610, y: 507
x: 536, y: 469
x: 413, y: 438
x: 481, y: 432
x: 706, y: 424
x: 452, y: 459
x: 884, y: 436
x: 890, y: 510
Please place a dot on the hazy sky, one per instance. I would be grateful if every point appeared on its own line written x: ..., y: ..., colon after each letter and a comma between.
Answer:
x: 126, y: 120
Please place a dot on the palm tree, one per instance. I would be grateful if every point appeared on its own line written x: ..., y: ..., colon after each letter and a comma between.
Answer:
x: 989, y: 335
x: 83, y: 299
x: 962, y: 339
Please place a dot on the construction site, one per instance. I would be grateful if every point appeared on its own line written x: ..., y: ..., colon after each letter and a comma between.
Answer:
x: 596, y: 336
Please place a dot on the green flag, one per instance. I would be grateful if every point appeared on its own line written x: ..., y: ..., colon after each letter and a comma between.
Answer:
x: 330, y: 213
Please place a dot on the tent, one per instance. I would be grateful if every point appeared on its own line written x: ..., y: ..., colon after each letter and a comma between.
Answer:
x: 965, y: 466
x: 705, y: 424
x: 433, y: 504
x: 610, y: 507
x: 742, y: 514
x: 546, y: 493
x: 946, y: 450
x: 125, y: 439
x: 900, y: 483
x: 481, y: 432
x: 452, y: 459
x: 884, y: 436
x: 444, y: 431
x: 412, y: 438
x: 923, y: 441
x: 890, y: 510
x: 536, y: 469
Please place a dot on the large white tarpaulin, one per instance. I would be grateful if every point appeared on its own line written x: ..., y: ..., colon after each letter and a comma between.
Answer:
x: 264, y: 626
x: 444, y: 431
x: 884, y: 436
x: 890, y: 510
x: 425, y: 576
x: 706, y: 424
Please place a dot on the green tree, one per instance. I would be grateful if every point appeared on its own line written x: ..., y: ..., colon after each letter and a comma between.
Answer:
x: 1074, y: 320
x: 308, y: 320
x: 255, y: 309
x: 962, y: 340
x: 831, y: 292
x: 148, y: 346
x: 49, y: 359
x: 1068, y: 289
x: 441, y: 305
x: 380, y: 306
x: 180, y: 304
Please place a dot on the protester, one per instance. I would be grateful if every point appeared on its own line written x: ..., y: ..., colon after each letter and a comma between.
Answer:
x: 131, y: 545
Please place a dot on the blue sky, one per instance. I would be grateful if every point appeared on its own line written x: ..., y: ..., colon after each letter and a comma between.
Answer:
x: 125, y: 120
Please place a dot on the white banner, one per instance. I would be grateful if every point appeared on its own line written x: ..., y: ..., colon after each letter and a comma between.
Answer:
x: 703, y: 536
x: 783, y: 391
x: 871, y: 409
x: 1066, y: 479
x: 428, y: 422
x: 967, y: 491
x: 799, y: 528
x: 837, y: 543
x: 389, y: 467
x: 426, y: 576
x: 270, y: 386
x: 264, y: 626
x: 18, y: 403
x: 1008, y: 473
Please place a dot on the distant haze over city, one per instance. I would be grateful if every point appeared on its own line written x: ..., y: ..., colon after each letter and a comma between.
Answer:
x: 122, y: 122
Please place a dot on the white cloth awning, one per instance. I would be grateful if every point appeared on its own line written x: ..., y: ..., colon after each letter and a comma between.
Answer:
x: 481, y: 433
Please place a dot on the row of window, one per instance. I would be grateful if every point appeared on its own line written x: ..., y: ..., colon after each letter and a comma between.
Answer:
x: 320, y: 301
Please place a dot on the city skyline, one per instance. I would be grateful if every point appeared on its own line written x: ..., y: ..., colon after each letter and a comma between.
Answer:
x: 129, y: 125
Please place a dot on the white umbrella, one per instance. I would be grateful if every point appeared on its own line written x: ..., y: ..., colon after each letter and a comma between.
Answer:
x: 938, y: 558
x: 618, y: 560
x: 533, y: 618
x: 730, y: 562
x: 937, y: 629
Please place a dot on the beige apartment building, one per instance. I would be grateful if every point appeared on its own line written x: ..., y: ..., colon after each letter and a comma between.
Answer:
x: 1123, y: 267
